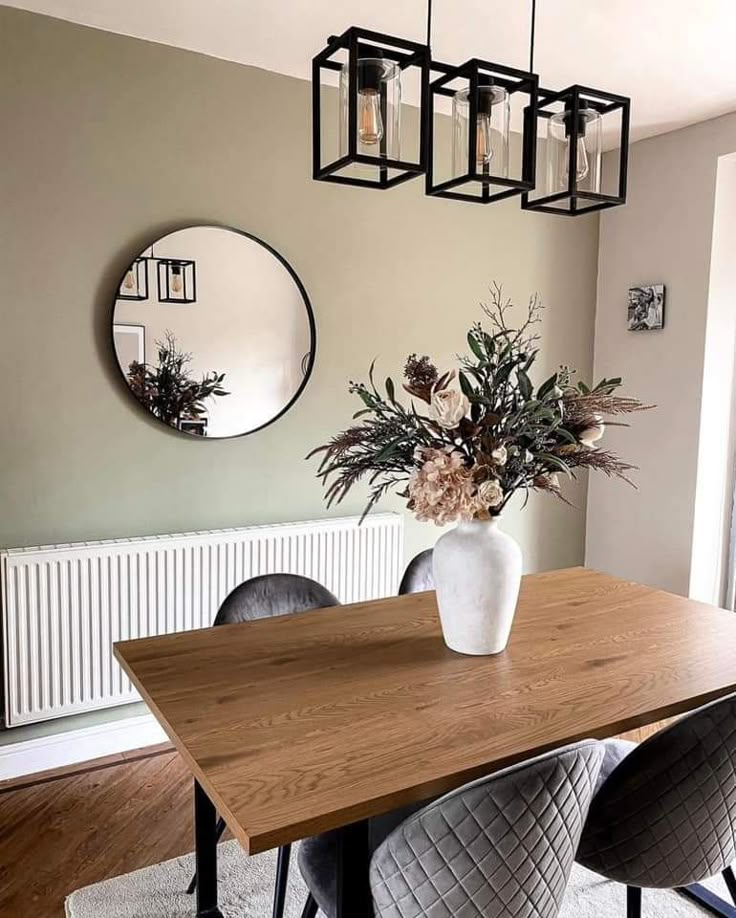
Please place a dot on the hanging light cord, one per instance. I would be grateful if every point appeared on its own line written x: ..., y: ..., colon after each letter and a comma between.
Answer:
x: 532, y: 31
x: 429, y: 26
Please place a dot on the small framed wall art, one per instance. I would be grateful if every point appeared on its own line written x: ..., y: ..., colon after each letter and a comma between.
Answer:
x: 646, y: 308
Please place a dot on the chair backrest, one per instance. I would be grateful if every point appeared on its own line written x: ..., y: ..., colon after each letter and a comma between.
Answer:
x: 418, y: 576
x: 501, y: 847
x: 271, y: 595
x: 666, y: 815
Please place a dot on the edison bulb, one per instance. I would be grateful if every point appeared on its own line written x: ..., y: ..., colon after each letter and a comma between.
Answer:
x: 374, y: 99
x: 176, y: 284
x: 491, y: 113
x: 370, y: 123
x: 129, y: 282
x: 581, y: 161
x: 586, y: 135
x: 483, y: 148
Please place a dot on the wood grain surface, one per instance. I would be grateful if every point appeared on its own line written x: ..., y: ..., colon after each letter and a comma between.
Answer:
x: 303, y: 723
x: 66, y: 832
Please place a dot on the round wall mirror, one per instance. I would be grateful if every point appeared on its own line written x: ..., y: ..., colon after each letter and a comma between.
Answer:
x: 213, y: 332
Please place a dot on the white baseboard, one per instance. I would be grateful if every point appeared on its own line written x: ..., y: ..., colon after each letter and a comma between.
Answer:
x: 60, y: 749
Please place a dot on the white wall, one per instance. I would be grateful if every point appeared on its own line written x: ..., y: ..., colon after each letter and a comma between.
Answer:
x: 713, y: 500
x: 664, y: 234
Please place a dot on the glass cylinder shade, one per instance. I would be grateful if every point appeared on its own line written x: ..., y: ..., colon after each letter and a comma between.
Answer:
x: 587, y: 140
x: 378, y: 123
x: 492, y: 132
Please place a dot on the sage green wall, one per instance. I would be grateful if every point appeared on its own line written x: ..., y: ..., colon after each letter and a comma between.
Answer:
x: 109, y: 141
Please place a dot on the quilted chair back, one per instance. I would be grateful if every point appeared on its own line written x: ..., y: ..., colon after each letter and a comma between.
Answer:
x: 271, y: 595
x: 501, y: 847
x: 666, y: 815
x: 418, y: 576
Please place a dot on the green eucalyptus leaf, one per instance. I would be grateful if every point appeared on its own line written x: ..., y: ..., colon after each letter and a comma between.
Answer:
x: 465, y: 385
x: 502, y: 373
x: 547, y: 386
x: 525, y: 384
x: 474, y: 346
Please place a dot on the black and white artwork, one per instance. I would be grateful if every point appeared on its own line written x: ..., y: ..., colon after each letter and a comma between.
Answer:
x: 646, y: 307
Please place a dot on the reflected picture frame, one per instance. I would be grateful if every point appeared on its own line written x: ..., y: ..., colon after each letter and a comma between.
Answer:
x: 129, y: 339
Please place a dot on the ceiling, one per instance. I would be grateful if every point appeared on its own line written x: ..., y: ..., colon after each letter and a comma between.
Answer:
x: 674, y: 58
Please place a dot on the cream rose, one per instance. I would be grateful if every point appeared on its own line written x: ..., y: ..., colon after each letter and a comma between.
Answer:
x: 490, y: 494
x: 590, y: 436
x: 499, y: 455
x: 448, y: 407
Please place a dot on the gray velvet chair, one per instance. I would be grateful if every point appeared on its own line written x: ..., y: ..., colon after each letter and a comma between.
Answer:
x: 273, y: 594
x: 266, y: 597
x: 501, y: 847
x: 665, y: 814
x: 418, y: 576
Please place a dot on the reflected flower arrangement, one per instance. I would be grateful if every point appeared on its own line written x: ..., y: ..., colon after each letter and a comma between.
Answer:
x: 171, y: 392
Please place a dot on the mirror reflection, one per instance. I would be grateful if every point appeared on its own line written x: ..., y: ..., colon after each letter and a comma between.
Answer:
x: 213, y: 332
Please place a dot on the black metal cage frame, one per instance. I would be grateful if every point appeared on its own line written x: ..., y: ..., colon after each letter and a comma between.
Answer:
x: 189, y: 280
x: 358, y: 43
x: 514, y: 81
x: 604, y: 103
x: 140, y: 269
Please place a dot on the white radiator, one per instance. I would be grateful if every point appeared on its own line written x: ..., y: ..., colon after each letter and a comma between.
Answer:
x: 65, y: 605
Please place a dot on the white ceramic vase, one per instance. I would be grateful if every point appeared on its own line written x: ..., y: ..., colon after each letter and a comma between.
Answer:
x: 477, y: 574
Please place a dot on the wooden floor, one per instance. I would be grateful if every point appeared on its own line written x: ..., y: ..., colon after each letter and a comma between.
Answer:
x: 69, y: 831
x: 59, y: 832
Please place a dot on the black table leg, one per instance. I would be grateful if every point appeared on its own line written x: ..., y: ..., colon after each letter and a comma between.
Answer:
x: 730, y: 879
x: 708, y: 900
x: 205, y: 847
x: 353, y: 857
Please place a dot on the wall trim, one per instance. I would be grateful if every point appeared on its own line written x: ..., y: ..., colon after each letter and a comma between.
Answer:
x: 82, y: 745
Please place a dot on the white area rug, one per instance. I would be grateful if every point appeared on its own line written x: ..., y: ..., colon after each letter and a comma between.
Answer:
x: 246, y: 891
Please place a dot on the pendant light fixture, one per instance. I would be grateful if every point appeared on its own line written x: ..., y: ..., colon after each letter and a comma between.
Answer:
x: 357, y: 132
x: 570, y: 175
x: 358, y: 137
x: 177, y: 280
x: 484, y: 165
x: 134, y: 285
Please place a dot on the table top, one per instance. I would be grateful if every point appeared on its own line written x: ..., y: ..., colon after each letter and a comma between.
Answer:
x: 303, y: 723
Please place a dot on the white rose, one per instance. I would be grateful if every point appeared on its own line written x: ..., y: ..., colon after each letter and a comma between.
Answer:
x: 590, y: 436
x: 499, y: 455
x: 448, y: 408
x: 490, y: 494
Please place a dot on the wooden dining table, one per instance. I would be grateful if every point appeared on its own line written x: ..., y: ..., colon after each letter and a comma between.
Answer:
x: 295, y: 725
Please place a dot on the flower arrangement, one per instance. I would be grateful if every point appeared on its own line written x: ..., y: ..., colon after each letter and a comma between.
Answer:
x: 460, y: 452
x: 169, y: 390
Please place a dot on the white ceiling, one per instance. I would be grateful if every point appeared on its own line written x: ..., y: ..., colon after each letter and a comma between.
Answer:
x: 675, y: 58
